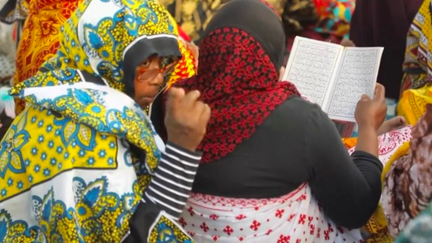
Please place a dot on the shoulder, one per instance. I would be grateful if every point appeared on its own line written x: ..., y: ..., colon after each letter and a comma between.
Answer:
x: 297, y: 116
x: 296, y: 109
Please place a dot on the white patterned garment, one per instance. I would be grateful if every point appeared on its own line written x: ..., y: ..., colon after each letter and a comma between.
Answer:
x: 294, y: 218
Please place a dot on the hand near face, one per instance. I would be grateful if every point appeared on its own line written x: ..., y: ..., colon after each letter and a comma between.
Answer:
x: 186, y: 118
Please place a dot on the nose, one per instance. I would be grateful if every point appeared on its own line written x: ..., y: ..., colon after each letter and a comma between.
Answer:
x: 158, y: 80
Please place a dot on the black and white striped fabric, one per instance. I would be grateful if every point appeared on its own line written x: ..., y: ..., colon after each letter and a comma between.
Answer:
x: 173, y: 179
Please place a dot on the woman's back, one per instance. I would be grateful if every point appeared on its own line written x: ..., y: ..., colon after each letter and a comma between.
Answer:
x: 296, y: 144
x: 271, y: 163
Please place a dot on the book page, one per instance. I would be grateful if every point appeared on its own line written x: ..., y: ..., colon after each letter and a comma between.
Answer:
x: 356, y: 76
x: 312, y: 66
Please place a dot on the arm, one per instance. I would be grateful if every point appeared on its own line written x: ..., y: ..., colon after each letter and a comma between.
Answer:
x: 347, y: 188
x: 165, y: 197
x: 367, y: 140
x: 172, y: 182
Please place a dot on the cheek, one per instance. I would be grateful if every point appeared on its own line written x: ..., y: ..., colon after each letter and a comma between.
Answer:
x: 140, y: 89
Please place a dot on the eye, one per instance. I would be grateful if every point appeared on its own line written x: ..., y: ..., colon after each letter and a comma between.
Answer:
x: 145, y: 64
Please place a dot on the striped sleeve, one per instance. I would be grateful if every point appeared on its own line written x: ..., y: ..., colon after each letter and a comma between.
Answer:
x: 173, y: 179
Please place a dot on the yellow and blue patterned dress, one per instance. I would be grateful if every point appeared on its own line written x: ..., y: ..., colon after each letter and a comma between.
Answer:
x: 81, y: 162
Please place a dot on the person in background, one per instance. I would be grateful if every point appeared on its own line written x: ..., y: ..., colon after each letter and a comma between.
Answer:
x: 193, y: 16
x: 82, y: 162
x: 270, y: 191
x: 13, y: 11
x: 417, y: 65
x: 385, y: 23
x: 407, y: 177
x: 325, y: 20
x: 40, y: 35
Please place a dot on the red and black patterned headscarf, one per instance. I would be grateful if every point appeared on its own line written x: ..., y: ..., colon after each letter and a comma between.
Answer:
x: 240, y: 58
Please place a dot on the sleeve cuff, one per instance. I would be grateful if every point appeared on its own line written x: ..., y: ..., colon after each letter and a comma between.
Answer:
x: 183, y: 150
x: 367, y: 157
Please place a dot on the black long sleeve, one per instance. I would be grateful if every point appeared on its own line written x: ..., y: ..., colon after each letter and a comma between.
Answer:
x: 298, y: 143
x: 347, y: 188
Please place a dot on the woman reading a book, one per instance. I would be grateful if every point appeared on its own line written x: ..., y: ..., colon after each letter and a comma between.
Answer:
x: 270, y: 157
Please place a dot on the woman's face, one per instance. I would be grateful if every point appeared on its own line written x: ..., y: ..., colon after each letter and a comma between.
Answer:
x: 149, y: 77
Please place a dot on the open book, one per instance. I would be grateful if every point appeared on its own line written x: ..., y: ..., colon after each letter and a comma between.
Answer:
x: 333, y: 76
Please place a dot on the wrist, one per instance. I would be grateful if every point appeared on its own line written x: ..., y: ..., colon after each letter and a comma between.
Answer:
x: 182, y: 145
x: 367, y: 126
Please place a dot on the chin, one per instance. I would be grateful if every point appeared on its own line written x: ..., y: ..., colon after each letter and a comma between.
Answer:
x: 144, y: 106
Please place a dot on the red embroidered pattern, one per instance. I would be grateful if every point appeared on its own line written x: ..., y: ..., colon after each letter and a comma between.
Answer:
x: 240, y: 83
x: 292, y: 218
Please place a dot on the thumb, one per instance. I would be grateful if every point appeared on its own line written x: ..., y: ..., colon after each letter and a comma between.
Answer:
x: 175, y: 95
x: 379, y: 93
x: 364, y: 97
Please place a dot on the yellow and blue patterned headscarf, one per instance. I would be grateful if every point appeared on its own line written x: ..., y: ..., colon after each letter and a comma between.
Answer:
x: 103, y: 42
x: 109, y: 39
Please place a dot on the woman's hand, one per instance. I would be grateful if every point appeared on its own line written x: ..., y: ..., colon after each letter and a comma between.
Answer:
x: 186, y: 118
x: 370, y: 115
x: 372, y: 112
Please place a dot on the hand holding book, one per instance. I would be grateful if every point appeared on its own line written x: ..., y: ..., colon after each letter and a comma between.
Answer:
x: 333, y: 76
x: 371, y: 112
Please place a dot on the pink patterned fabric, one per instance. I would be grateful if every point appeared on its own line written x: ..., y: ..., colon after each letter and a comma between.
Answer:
x: 390, y: 142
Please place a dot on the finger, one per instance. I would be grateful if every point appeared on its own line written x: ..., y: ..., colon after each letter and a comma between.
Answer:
x: 206, y: 114
x: 197, y: 109
x: 395, y: 122
x: 191, y: 98
x: 402, y: 121
x: 195, y: 51
x: 175, y: 95
x: 364, y: 97
x: 379, y: 92
x: 281, y: 73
